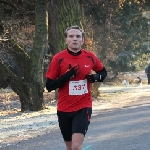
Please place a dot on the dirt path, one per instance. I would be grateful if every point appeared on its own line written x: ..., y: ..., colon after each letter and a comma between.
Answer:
x: 16, y: 126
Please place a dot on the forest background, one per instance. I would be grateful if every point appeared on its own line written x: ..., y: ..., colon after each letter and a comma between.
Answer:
x: 31, y: 32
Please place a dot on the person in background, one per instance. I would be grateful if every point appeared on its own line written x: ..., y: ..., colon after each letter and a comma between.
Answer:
x: 147, y: 71
x: 70, y: 71
x: 139, y: 82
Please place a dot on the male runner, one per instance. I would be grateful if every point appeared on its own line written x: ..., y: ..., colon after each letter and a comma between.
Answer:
x: 70, y: 71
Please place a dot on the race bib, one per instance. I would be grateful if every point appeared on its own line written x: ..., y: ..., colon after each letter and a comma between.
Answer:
x: 78, y: 87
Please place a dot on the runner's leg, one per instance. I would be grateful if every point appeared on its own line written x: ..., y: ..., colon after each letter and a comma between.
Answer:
x: 68, y: 145
x: 77, y: 141
x: 79, y: 127
x: 65, y: 124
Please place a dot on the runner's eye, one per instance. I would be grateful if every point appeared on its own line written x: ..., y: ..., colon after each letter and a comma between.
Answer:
x: 71, y: 36
x: 78, y: 36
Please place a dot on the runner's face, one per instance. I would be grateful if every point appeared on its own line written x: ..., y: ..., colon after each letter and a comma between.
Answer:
x: 74, y: 39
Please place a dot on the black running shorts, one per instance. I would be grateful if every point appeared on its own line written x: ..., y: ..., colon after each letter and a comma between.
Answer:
x: 74, y: 122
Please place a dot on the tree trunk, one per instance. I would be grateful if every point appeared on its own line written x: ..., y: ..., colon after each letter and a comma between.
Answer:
x: 62, y: 14
x: 39, y: 49
x: 90, y: 45
x: 27, y: 79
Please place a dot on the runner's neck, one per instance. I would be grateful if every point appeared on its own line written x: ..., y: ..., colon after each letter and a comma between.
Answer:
x: 74, y: 53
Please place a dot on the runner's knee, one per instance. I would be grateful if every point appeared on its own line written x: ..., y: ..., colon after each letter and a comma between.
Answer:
x: 76, y: 146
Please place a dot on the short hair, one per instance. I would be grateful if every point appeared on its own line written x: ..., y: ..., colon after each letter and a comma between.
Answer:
x: 74, y: 27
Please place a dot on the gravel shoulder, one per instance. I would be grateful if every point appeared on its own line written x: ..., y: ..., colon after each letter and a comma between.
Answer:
x: 16, y: 126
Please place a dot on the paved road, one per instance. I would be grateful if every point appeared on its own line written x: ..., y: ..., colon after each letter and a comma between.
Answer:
x: 127, y: 128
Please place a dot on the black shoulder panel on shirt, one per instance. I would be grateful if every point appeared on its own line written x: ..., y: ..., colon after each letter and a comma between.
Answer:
x: 92, y: 59
x: 60, y: 60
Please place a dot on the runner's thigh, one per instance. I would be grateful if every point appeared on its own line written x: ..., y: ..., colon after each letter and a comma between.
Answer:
x: 81, y: 121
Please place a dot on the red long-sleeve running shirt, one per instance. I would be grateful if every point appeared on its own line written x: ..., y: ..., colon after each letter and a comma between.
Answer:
x: 76, y: 92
